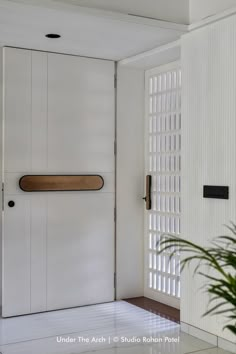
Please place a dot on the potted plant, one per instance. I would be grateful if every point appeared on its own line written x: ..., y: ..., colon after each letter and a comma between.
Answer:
x: 219, y: 256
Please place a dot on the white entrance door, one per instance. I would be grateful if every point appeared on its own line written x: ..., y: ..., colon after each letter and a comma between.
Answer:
x: 163, y: 163
x: 58, y: 247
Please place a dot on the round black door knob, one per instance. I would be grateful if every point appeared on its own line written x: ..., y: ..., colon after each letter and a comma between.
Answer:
x: 11, y: 204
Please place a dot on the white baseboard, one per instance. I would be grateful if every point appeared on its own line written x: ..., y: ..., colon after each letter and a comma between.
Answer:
x: 208, y: 337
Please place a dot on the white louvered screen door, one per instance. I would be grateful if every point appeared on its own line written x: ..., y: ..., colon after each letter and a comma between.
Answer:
x: 163, y: 163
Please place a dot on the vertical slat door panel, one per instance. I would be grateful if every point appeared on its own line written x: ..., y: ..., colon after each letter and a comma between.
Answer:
x: 25, y: 152
x: 163, y: 163
x: 38, y: 252
x: 80, y: 111
x: 39, y: 112
x: 79, y: 266
x: 17, y: 76
x: 38, y: 219
x: 16, y: 158
x: 80, y: 248
x: 16, y: 257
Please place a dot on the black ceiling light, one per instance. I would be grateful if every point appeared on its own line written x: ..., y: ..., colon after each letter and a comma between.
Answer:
x: 53, y: 35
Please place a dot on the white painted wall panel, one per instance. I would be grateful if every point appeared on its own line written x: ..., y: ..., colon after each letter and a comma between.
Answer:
x: 208, y: 151
x: 130, y: 182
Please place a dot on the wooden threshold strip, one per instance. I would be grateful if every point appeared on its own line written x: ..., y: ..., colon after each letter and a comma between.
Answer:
x: 158, y: 308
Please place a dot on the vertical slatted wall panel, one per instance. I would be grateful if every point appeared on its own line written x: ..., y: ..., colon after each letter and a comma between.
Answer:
x: 208, y: 152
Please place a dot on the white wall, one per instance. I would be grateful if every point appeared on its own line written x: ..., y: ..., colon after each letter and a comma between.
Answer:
x: 1, y: 112
x: 208, y: 151
x: 130, y: 182
x: 199, y: 9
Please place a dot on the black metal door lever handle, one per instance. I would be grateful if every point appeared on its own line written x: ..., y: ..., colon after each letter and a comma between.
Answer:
x: 148, y: 192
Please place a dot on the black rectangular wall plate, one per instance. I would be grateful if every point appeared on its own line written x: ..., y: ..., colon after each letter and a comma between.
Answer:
x: 216, y: 192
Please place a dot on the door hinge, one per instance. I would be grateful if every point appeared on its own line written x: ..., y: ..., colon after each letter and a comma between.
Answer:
x: 115, y: 81
x: 114, y: 214
x: 114, y: 280
x: 115, y: 148
x: 2, y: 196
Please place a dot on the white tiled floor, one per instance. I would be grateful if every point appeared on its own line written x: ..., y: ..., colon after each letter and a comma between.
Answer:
x: 112, y: 323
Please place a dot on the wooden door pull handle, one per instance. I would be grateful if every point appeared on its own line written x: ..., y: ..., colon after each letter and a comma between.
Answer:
x: 54, y: 183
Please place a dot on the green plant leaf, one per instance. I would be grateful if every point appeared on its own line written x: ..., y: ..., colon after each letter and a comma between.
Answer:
x: 219, y: 257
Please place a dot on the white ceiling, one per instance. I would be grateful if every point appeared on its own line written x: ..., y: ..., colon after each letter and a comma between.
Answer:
x: 199, y: 9
x: 84, y: 31
x: 168, y: 10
